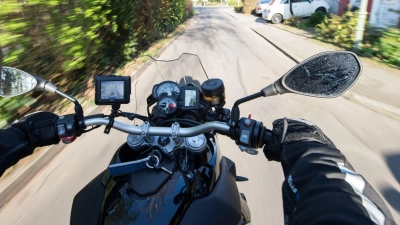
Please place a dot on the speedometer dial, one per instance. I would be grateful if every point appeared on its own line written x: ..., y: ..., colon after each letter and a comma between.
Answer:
x: 168, y: 88
x: 167, y: 105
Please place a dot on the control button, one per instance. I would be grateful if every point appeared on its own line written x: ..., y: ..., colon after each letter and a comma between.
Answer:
x: 61, y: 130
x: 244, y: 137
x: 251, y: 151
x: 247, y: 122
x: 69, y: 126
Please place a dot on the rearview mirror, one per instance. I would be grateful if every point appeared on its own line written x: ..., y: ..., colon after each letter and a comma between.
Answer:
x: 15, y: 82
x: 326, y: 75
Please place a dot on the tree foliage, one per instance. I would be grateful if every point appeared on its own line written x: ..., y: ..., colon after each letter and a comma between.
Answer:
x: 339, y: 29
x: 70, y: 41
x: 381, y: 43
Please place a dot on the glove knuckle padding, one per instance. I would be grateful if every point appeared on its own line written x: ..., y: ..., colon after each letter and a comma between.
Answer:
x: 300, y: 129
x: 288, y: 130
x: 40, y: 128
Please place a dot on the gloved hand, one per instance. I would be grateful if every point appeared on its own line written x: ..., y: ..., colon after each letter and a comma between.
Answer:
x: 289, y: 130
x: 39, y: 128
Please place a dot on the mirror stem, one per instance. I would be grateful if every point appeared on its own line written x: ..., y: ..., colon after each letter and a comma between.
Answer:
x: 246, y: 99
x: 67, y: 96
x: 78, y: 109
x: 235, y: 114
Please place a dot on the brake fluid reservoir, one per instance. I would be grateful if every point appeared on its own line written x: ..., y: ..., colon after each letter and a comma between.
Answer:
x: 213, y: 91
x: 197, y: 145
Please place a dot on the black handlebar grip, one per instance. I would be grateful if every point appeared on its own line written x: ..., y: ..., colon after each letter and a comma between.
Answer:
x: 267, y: 137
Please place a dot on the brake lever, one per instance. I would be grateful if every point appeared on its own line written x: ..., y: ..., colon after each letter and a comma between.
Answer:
x: 248, y: 150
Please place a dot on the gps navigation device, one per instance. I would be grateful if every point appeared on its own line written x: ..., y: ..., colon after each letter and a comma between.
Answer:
x: 112, y: 90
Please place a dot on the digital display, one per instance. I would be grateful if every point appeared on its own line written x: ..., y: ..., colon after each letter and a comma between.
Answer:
x: 190, y: 98
x: 112, y: 90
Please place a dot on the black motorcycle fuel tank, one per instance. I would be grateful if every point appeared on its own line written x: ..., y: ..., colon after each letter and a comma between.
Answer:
x: 147, y: 196
x: 127, y: 201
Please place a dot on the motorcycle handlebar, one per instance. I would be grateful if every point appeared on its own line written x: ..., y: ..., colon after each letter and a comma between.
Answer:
x: 259, y: 135
x: 161, y: 131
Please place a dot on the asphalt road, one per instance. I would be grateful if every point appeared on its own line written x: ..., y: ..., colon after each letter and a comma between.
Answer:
x: 246, y: 63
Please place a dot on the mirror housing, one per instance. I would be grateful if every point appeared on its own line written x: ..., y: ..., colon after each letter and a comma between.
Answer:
x: 44, y: 85
x: 15, y: 82
x: 325, y: 75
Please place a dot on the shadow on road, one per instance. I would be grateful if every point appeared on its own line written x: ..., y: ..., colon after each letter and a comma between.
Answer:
x: 260, y: 20
x: 393, y: 162
x: 390, y: 194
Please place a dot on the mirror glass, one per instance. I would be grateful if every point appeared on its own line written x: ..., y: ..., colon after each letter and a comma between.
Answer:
x: 15, y: 82
x: 326, y: 75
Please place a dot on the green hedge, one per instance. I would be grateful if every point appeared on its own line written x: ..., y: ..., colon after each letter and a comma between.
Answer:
x: 238, y: 8
x: 381, y: 43
x: 388, y: 46
x: 70, y: 41
x: 338, y: 30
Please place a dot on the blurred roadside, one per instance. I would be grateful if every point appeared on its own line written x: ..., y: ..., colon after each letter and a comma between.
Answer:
x: 70, y: 42
x: 19, y: 175
x: 73, y: 80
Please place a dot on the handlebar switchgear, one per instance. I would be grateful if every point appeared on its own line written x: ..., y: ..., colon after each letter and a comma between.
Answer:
x: 250, y: 133
x: 67, y: 128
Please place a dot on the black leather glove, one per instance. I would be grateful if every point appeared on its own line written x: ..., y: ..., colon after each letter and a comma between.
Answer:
x: 39, y: 128
x: 289, y: 130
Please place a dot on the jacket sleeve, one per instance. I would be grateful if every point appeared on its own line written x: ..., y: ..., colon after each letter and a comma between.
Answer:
x: 321, y: 187
x: 13, y: 147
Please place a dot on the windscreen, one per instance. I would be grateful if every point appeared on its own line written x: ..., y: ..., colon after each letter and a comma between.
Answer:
x: 187, y: 69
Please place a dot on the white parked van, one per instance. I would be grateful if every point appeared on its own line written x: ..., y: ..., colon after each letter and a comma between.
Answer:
x: 278, y: 10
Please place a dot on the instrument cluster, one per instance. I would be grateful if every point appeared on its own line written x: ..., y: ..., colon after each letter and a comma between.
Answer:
x: 170, y: 97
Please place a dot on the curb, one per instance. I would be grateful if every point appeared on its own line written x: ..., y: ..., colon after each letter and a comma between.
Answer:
x: 280, y: 48
x: 12, y: 183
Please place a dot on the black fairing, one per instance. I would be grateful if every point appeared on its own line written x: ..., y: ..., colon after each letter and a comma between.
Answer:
x: 222, y: 206
x: 86, y: 207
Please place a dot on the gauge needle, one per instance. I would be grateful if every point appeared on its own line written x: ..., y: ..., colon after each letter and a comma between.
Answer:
x: 168, y: 92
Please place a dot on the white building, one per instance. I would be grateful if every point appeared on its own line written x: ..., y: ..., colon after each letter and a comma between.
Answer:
x: 385, y: 13
x: 382, y: 13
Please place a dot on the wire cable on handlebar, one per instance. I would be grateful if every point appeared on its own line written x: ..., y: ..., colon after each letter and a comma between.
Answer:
x: 190, y: 123
x: 93, y: 127
x: 137, y: 80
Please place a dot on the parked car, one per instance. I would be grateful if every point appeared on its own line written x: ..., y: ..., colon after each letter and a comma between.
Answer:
x: 261, y: 5
x: 278, y: 10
